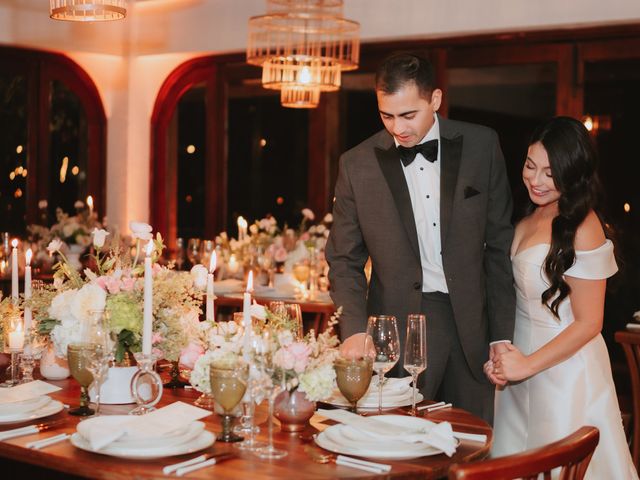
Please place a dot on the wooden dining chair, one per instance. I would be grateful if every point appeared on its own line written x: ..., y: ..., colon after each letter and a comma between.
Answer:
x: 630, y: 342
x: 572, y: 453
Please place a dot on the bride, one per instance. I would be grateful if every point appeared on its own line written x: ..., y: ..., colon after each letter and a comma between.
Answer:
x: 557, y: 375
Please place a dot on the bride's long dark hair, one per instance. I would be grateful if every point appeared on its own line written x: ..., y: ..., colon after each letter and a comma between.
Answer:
x: 574, y: 162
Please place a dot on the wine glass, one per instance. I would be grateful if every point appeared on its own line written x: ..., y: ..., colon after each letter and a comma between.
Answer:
x: 272, y: 387
x: 292, y: 313
x: 228, y: 384
x: 193, y: 251
x: 180, y: 253
x: 383, y: 332
x: 77, y: 354
x: 415, y: 351
x: 98, y: 358
x: 353, y: 376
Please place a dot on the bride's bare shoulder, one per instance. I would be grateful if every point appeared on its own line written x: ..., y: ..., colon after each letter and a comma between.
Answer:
x: 590, y: 233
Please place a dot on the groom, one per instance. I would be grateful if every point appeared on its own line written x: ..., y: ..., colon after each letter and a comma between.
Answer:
x: 428, y: 201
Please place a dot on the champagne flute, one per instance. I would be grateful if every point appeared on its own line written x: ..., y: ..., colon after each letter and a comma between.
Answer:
x: 415, y: 351
x: 228, y: 385
x: 291, y: 312
x: 353, y: 376
x: 383, y: 332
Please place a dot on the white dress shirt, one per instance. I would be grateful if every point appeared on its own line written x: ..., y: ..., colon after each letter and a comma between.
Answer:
x: 423, y: 180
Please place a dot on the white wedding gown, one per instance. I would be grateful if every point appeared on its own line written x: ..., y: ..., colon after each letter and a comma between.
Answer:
x: 579, y: 391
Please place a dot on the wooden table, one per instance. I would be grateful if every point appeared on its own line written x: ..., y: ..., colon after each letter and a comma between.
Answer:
x: 321, y: 311
x: 65, y: 458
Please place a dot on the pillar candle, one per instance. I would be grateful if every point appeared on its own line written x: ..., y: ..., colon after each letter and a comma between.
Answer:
x: 14, y: 270
x: 16, y: 338
x: 212, y: 268
x: 246, y: 316
x: 147, y: 326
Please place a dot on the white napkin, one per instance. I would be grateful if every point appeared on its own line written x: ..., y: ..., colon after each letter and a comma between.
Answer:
x: 154, y: 424
x: 229, y: 285
x: 438, y: 435
x: 393, y: 390
x: 26, y: 391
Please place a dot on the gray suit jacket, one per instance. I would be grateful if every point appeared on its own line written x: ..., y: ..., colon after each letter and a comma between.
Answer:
x: 373, y: 217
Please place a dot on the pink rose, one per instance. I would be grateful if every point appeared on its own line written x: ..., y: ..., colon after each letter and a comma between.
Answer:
x: 128, y: 284
x: 190, y: 354
x: 102, y: 282
x: 300, y: 352
x: 113, y: 285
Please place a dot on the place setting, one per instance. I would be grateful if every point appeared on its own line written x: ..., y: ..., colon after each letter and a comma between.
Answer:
x: 26, y: 402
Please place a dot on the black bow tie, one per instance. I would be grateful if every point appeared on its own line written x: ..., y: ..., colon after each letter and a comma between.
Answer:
x: 429, y: 150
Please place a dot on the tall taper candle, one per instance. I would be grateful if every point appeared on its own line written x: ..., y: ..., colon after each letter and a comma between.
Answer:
x: 147, y: 325
x: 14, y: 271
x: 27, y: 290
x: 212, y: 268
x: 90, y: 205
x: 246, y: 315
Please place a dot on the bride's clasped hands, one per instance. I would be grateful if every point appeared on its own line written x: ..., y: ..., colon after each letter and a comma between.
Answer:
x: 509, y: 366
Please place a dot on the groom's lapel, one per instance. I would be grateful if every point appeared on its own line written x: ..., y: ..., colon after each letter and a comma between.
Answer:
x: 451, y: 156
x: 391, y: 167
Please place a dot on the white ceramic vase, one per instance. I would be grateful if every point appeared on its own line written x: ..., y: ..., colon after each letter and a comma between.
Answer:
x: 52, y: 367
x: 116, y: 389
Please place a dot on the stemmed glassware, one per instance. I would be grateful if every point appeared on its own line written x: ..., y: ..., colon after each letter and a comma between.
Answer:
x: 180, y: 253
x: 272, y: 388
x: 193, y: 251
x: 353, y: 376
x: 228, y: 385
x: 77, y: 354
x: 415, y: 351
x: 293, y: 312
x: 383, y: 332
x: 98, y: 357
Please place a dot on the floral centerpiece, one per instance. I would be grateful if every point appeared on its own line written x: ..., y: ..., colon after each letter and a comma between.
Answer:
x: 115, y: 284
x: 9, y: 314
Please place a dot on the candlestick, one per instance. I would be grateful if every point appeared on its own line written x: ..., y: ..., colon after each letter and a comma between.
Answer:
x: 90, y: 205
x: 14, y: 271
x: 27, y: 289
x: 210, y: 295
x: 147, y: 326
x: 246, y: 316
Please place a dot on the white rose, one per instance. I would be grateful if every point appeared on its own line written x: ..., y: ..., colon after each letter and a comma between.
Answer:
x: 99, y: 236
x: 90, y: 297
x: 141, y: 230
x: 54, y: 246
x: 60, y: 307
x: 199, y: 275
x: 308, y: 213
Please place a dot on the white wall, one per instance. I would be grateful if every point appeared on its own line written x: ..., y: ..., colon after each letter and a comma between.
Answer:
x: 129, y: 59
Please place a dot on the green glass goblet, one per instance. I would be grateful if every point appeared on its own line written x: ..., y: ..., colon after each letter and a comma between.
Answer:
x: 353, y: 376
x: 77, y: 354
x: 228, y: 385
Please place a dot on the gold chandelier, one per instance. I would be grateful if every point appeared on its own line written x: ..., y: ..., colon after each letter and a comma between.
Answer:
x: 87, y: 10
x: 302, y: 47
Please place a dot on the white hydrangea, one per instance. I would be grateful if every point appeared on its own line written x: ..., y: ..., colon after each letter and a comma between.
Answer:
x: 319, y: 383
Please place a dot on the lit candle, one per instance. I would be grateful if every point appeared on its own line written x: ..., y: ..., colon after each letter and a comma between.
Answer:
x: 147, y: 326
x: 27, y: 289
x: 14, y: 270
x: 242, y: 228
x: 212, y: 268
x: 90, y: 205
x: 16, y: 338
x: 246, y: 315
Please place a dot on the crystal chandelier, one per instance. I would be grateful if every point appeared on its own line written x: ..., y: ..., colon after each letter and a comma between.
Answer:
x: 87, y: 10
x: 302, y: 47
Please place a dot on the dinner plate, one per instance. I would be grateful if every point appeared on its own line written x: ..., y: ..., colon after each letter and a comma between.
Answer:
x: 17, y: 408
x: 204, y: 440
x: 140, y: 440
x: 50, y: 408
x: 370, y: 404
x: 332, y: 439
